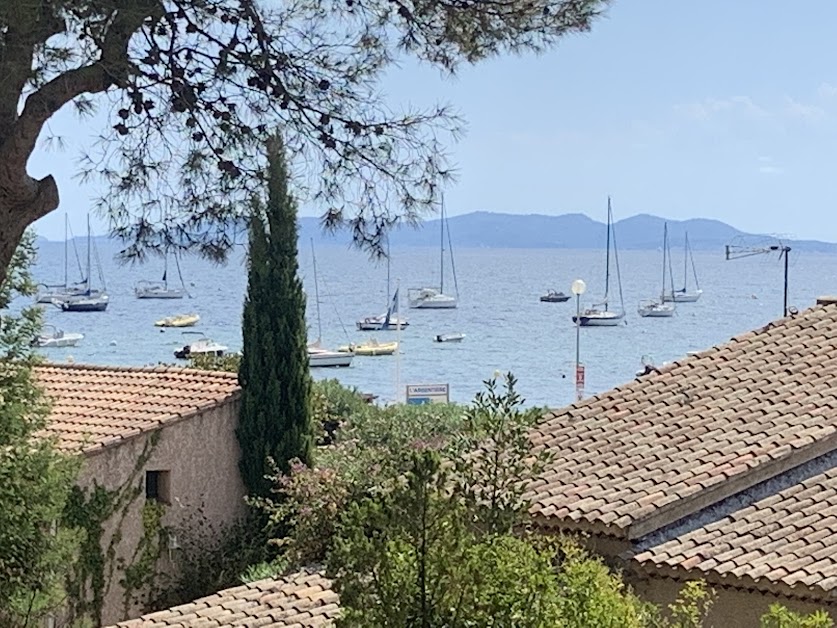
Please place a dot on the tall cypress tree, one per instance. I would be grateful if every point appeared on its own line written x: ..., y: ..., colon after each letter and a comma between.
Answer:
x: 275, y: 418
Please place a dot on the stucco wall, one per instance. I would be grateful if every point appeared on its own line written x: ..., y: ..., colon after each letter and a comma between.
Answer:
x: 733, y: 608
x: 201, y: 453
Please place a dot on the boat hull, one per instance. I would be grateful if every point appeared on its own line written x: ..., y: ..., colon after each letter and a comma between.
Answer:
x: 84, y: 306
x: 683, y: 297
x: 377, y: 324
x: 553, y: 296
x: 658, y: 312
x: 59, y: 295
x: 67, y: 340
x: 599, y: 319
x: 330, y: 360
x: 430, y: 299
x: 168, y: 294
x: 178, y: 321
x: 448, y: 338
x: 448, y: 303
x: 370, y: 349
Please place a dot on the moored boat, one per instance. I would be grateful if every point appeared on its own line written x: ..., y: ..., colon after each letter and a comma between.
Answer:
x: 600, y: 315
x: 202, y: 346
x: 179, y: 320
x: 318, y: 357
x: 553, y: 296
x: 455, y: 337
x: 427, y: 298
x: 53, y: 338
x: 371, y: 348
x: 684, y: 295
x: 87, y: 300
x: 652, y: 308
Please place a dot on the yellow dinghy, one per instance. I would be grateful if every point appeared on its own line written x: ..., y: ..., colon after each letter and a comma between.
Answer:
x: 181, y: 320
x: 373, y: 347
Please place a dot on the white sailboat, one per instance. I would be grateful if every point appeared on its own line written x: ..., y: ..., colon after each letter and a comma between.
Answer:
x: 161, y: 289
x: 317, y: 356
x: 600, y: 314
x: 89, y: 300
x: 653, y: 308
x: 435, y: 298
x: 683, y: 295
x: 391, y: 319
x: 47, y: 293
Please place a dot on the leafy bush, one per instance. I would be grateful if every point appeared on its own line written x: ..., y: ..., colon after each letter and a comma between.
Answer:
x: 210, y: 558
x: 780, y: 617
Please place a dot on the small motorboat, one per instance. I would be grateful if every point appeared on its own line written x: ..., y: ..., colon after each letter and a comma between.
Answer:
x: 371, y: 348
x: 202, y: 346
x: 179, y: 320
x: 553, y: 296
x: 448, y: 337
x: 319, y: 357
x: 52, y: 337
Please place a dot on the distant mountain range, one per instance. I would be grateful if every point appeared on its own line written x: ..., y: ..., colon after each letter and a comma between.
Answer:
x: 567, y: 231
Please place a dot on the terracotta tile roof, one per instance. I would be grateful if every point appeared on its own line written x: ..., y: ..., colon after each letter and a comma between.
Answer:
x: 778, y: 534
x: 98, y: 406
x: 301, y: 600
x: 670, y: 443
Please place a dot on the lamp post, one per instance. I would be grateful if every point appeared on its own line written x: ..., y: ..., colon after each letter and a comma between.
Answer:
x: 578, y: 287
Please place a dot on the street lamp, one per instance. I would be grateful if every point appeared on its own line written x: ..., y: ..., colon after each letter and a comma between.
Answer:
x: 578, y: 289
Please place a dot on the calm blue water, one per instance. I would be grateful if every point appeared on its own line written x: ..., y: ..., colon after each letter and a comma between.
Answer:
x: 506, y: 327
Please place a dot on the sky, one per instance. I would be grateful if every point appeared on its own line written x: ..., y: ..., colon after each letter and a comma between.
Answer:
x: 682, y: 109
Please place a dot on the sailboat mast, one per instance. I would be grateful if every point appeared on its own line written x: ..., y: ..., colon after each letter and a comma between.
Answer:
x: 66, y: 251
x: 442, y: 249
x: 389, y: 290
x: 88, y: 252
x: 607, y: 255
x: 692, y: 258
x: 665, y: 248
x: 317, y: 294
x: 686, y: 264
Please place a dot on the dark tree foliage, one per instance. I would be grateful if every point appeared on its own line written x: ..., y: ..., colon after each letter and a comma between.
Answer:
x: 275, y: 419
x: 35, y: 477
x: 195, y: 85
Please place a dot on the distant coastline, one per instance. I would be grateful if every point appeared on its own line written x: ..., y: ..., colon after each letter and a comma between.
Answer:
x: 567, y: 231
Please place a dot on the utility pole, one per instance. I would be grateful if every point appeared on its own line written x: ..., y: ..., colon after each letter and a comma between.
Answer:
x: 737, y: 252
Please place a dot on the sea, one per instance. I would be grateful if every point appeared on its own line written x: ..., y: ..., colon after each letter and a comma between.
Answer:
x: 506, y: 327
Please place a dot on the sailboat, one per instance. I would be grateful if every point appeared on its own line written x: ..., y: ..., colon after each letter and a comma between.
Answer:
x: 432, y: 298
x: 89, y: 300
x: 683, y: 295
x: 600, y: 315
x: 660, y: 308
x: 51, y: 292
x: 391, y: 319
x: 317, y: 356
x: 160, y: 289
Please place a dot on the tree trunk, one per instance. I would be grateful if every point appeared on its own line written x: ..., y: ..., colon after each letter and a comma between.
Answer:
x: 22, y: 201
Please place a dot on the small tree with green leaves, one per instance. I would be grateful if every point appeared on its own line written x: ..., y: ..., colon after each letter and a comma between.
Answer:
x: 779, y: 616
x: 436, y: 545
x: 275, y: 420
x: 35, y: 478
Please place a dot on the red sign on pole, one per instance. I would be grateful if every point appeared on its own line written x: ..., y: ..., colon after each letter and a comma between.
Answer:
x: 579, y: 382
